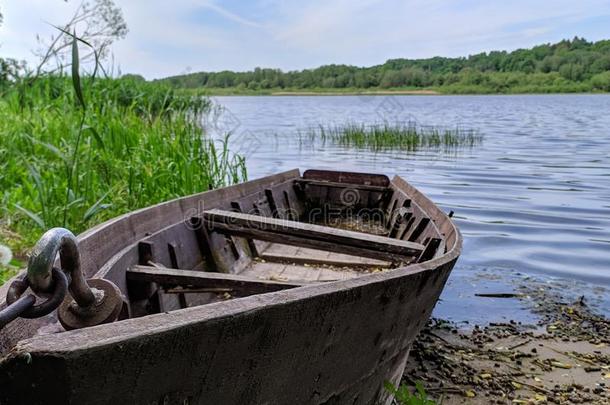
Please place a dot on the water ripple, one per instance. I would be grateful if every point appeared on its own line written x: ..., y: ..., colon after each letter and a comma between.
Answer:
x: 532, y: 198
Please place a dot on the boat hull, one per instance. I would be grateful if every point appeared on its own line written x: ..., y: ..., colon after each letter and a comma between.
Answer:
x: 326, y: 343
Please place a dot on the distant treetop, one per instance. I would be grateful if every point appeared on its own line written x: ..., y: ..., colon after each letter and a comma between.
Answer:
x: 568, y: 65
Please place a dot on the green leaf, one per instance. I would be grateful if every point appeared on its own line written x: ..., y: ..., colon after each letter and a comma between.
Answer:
x: 95, y: 208
x: 390, y: 387
x: 33, y: 216
x: 95, y: 54
x: 17, y: 263
x: 75, y: 75
x: 36, y: 177
x: 96, y: 135
x: 74, y: 202
x: 51, y: 148
x: 403, y: 396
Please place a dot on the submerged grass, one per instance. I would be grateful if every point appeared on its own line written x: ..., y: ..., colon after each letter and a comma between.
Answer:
x: 65, y: 162
x: 399, y: 136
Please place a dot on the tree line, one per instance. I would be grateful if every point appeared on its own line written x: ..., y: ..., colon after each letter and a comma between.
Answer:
x: 566, y: 66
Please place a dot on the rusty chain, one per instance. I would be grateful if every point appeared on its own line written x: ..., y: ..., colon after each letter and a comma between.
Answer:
x: 91, y: 302
x: 20, y: 306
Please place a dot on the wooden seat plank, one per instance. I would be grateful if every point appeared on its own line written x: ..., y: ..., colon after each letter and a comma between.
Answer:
x: 312, y: 236
x: 297, y: 273
x: 333, y: 184
x: 297, y: 255
x: 198, y: 279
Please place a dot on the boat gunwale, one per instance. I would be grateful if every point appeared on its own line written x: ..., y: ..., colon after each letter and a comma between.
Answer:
x: 128, y: 217
x: 129, y: 329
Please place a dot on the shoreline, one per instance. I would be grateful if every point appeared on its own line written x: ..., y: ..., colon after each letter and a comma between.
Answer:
x: 550, y: 344
x: 356, y: 93
x: 416, y: 92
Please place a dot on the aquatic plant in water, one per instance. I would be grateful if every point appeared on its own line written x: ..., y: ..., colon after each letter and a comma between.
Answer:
x: 399, y: 136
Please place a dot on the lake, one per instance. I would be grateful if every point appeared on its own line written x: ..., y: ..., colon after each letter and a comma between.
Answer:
x: 534, y: 197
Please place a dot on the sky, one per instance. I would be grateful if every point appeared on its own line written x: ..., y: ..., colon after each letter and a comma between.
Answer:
x: 168, y: 37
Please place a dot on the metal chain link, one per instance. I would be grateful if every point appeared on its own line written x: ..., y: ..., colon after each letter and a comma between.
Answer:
x: 20, y: 306
x: 90, y: 305
x: 16, y: 310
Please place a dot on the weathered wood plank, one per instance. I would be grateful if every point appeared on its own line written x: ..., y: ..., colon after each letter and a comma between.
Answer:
x: 237, y: 206
x: 419, y: 229
x: 401, y: 219
x: 279, y: 253
x: 440, y: 221
x: 347, y: 177
x: 310, y: 235
x: 298, y: 273
x: 186, y: 356
x: 333, y: 184
x: 198, y: 279
x: 431, y: 248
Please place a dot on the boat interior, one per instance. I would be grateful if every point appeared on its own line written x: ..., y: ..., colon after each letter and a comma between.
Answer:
x: 317, y: 228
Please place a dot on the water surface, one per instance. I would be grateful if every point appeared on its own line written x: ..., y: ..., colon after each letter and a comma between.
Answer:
x: 533, y: 198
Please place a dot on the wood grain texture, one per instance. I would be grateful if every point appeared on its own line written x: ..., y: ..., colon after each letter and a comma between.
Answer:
x: 344, y: 338
x: 322, y: 343
x: 310, y: 235
x: 107, y: 249
x: 332, y: 184
x: 178, y: 277
x: 279, y: 253
x: 351, y: 178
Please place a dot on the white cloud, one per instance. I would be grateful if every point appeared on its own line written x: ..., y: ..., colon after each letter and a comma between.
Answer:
x: 165, y: 37
x: 231, y: 16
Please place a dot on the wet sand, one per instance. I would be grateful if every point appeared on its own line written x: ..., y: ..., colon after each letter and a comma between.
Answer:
x: 555, y: 350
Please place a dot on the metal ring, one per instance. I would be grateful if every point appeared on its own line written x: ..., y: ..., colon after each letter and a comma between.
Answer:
x: 14, y: 311
x: 60, y: 289
x: 44, y: 253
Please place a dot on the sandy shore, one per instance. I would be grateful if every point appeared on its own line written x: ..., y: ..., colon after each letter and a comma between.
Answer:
x: 563, y: 357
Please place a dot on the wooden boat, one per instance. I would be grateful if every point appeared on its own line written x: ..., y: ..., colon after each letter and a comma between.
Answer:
x: 285, y: 289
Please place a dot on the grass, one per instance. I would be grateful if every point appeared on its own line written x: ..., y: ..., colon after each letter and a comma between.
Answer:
x: 74, y: 161
x: 399, y: 136
x: 403, y: 396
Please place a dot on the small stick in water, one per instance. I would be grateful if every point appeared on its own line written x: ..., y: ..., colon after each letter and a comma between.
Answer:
x: 500, y: 295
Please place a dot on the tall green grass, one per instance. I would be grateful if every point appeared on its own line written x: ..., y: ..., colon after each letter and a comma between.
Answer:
x: 72, y: 162
x: 399, y: 136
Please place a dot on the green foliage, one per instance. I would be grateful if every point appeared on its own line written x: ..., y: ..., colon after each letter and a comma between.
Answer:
x: 136, y: 144
x: 6, y: 273
x: 403, y: 395
x: 399, y: 136
x: 601, y: 81
x: 134, y: 77
x: 9, y: 69
x: 567, y: 66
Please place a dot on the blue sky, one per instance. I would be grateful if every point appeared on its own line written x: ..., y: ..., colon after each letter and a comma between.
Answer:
x: 175, y: 36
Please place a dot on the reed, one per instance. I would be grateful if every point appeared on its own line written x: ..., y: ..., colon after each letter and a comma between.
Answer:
x: 399, y: 136
x: 126, y: 145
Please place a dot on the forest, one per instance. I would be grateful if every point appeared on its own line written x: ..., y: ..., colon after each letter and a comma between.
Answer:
x: 575, y: 65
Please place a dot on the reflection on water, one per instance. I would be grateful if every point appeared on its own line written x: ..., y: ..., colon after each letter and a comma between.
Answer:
x: 534, y: 197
